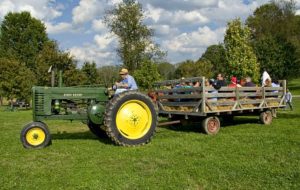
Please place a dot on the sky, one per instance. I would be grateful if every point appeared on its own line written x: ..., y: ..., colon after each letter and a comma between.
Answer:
x: 182, y: 28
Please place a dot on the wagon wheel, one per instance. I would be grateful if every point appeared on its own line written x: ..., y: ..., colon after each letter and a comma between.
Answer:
x: 35, y: 135
x: 211, y: 125
x: 266, y: 117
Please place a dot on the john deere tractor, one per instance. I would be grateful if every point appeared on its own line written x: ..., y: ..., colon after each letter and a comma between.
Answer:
x: 128, y: 119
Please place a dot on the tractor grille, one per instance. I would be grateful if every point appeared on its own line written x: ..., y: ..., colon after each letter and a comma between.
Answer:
x: 39, y: 103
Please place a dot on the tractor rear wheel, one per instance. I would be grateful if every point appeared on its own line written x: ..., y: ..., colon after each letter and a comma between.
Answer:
x: 266, y: 117
x: 211, y: 125
x: 96, y: 129
x: 130, y: 119
x: 35, y: 135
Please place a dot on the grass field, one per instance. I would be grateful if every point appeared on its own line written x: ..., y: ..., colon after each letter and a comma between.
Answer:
x: 246, y: 155
x: 294, y: 86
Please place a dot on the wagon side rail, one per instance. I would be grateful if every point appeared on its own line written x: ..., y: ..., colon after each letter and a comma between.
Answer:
x: 202, y: 100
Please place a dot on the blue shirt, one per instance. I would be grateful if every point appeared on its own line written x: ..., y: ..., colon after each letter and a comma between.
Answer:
x: 129, y: 80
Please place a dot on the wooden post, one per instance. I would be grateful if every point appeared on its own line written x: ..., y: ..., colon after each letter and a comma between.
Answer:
x: 52, y: 78
x: 203, y: 95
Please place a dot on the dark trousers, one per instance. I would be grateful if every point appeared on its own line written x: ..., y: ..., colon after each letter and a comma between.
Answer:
x: 290, y: 105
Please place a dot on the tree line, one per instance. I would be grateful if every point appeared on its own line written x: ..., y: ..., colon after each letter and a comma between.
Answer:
x: 269, y: 40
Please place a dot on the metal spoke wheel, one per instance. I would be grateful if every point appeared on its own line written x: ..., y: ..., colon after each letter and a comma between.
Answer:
x: 211, y: 125
x: 35, y: 135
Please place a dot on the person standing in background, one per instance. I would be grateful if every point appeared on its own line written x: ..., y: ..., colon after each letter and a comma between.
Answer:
x: 288, y: 99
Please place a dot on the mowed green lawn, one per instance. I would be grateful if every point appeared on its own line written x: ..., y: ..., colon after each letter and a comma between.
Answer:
x: 294, y: 86
x: 246, y: 155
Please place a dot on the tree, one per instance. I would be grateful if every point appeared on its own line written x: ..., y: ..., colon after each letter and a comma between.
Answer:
x: 16, y: 79
x: 240, y: 56
x: 216, y: 55
x: 146, y: 77
x: 135, y: 44
x: 22, y: 38
x: 190, y: 68
x: 276, y: 57
x: 166, y: 70
x: 90, y: 71
x: 51, y: 56
x: 203, y: 68
x: 72, y: 76
x: 108, y: 74
x: 276, y: 38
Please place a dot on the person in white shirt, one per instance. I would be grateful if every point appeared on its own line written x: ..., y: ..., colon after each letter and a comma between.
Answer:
x: 127, y: 82
x: 288, y: 99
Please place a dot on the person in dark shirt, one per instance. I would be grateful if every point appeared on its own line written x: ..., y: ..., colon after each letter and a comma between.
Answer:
x: 220, y: 82
x: 249, y: 82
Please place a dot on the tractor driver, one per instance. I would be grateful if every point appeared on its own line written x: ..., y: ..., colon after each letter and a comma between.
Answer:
x: 127, y: 82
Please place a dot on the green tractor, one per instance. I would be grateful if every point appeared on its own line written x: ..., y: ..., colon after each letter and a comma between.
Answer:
x: 128, y: 119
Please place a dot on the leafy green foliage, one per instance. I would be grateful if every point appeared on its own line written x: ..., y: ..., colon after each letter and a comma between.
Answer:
x: 241, y: 59
x: 190, y: 68
x: 22, y: 37
x: 16, y: 79
x: 90, y: 71
x: 275, y: 56
x: 146, y: 76
x: 108, y: 75
x: 135, y: 44
x: 275, y: 38
x: 166, y: 70
x: 72, y: 76
x: 25, y: 44
x: 51, y: 56
x: 216, y: 55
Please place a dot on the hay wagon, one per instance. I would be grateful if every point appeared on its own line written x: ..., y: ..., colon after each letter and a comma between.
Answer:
x: 208, y: 105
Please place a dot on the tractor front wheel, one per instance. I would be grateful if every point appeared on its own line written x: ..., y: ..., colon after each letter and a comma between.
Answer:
x: 130, y: 119
x: 35, y: 135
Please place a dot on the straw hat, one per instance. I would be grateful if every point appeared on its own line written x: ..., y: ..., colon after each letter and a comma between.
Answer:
x: 123, y: 71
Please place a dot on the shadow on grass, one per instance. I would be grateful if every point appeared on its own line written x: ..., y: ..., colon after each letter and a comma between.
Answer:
x: 288, y: 115
x: 240, y: 121
x: 81, y: 136
x: 196, y: 127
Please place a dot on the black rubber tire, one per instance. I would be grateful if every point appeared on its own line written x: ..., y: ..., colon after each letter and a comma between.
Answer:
x: 211, y: 125
x: 43, y: 127
x: 97, y: 129
x: 266, y: 117
x: 111, y: 113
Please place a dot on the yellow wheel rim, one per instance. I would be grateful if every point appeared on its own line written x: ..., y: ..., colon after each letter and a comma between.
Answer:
x: 35, y: 136
x: 133, y: 119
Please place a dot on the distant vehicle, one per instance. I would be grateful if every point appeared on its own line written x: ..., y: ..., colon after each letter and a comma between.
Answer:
x: 20, y: 104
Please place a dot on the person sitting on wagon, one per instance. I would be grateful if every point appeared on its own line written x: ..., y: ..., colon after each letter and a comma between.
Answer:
x: 127, y: 82
x: 220, y: 82
x: 233, y: 83
x: 209, y: 83
x: 249, y: 82
x: 265, y: 76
